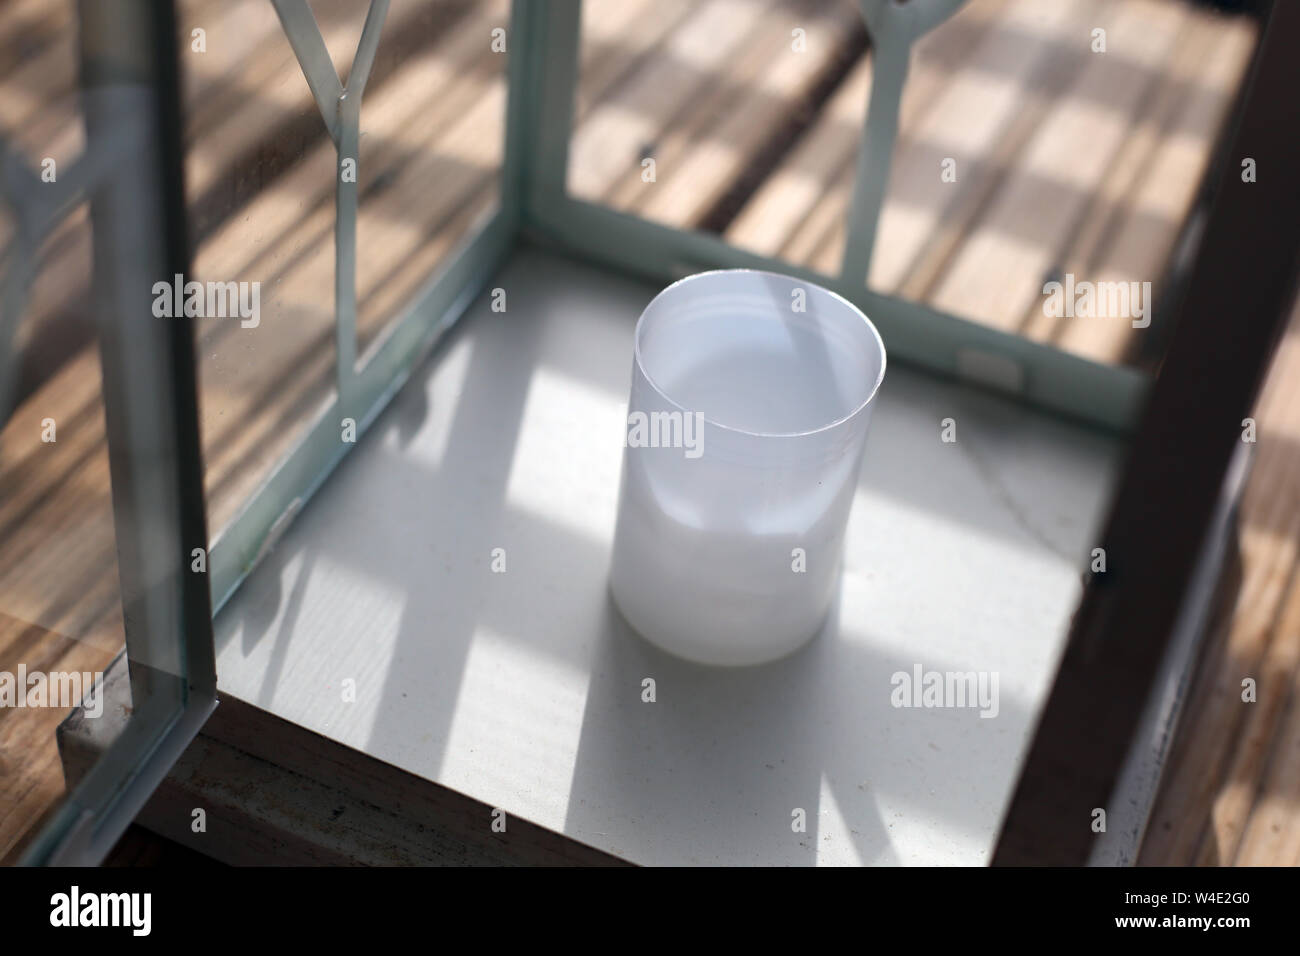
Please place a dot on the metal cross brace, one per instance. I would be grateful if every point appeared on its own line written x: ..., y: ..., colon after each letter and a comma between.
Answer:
x: 340, y: 108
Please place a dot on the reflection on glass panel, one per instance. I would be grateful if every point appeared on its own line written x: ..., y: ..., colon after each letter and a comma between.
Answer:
x: 432, y: 133
x: 684, y: 108
x: 1037, y: 143
x: 262, y: 177
x: 1076, y: 140
x: 260, y: 190
x: 60, y: 610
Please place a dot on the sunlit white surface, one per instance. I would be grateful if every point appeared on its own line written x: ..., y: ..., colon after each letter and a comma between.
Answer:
x: 524, y: 688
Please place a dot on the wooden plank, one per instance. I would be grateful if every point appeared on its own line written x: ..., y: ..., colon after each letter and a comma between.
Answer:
x: 771, y: 221
x: 58, y: 293
x: 703, y: 151
x: 608, y: 143
x: 997, y: 271
x: 616, y: 39
x: 250, y: 115
x: 31, y: 781
x: 39, y: 112
x: 1270, y: 836
x: 1107, y: 210
x: 1263, y: 644
x: 1149, y: 218
x: 978, y: 84
x: 244, y: 87
x: 454, y: 145
x: 819, y: 169
x: 30, y: 795
x: 1212, y: 782
x: 397, y: 250
x: 985, y: 131
x: 59, y: 603
x: 982, y: 117
x: 29, y: 24
x: 58, y: 565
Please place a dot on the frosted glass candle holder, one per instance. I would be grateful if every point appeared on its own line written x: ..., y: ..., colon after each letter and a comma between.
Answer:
x: 751, y: 394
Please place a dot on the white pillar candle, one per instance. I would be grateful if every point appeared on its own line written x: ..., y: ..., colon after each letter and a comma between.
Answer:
x: 751, y: 394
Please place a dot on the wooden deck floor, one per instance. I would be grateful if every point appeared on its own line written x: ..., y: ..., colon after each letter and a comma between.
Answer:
x: 1067, y: 161
x: 1231, y: 793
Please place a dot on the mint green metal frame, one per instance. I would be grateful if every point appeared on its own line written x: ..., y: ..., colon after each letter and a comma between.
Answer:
x: 544, y: 46
x: 366, y: 383
x: 1066, y: 384
x: 129, y: 174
